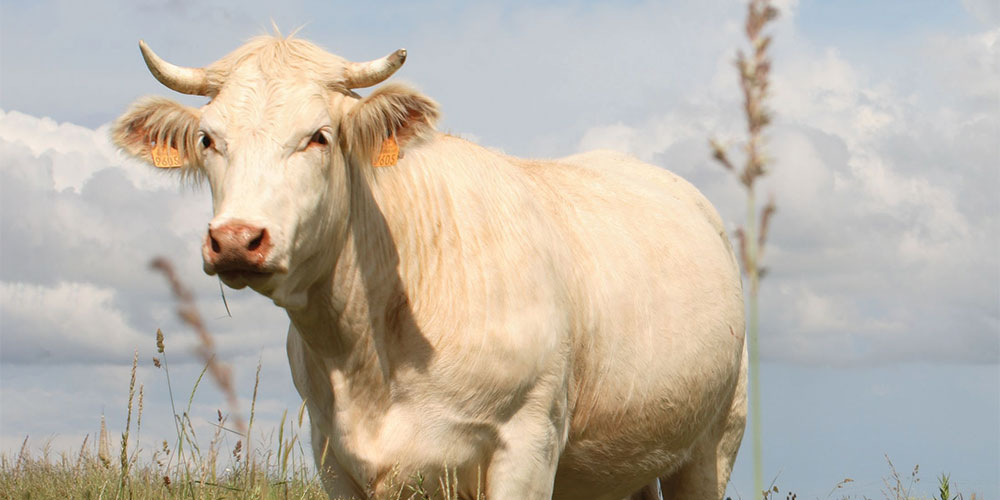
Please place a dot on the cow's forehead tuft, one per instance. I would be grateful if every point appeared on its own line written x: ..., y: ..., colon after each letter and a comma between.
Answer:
x: 280, y: 58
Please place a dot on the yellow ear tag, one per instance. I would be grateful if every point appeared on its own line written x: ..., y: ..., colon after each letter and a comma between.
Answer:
x: 389, y: 154
x: 165, y: 156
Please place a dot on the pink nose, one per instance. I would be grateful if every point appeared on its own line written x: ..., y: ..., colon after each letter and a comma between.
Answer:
x: 236, y: 246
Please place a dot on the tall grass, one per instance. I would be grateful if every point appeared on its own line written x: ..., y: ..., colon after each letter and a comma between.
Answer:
x: 753, y: 75
x: 754, y: 71
x: 189, y: 467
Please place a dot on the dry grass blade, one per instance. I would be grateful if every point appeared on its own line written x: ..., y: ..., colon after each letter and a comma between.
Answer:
x: 128, y: 423
x: 83, y: 451
x: 188, y: 312
x: 22, y: 456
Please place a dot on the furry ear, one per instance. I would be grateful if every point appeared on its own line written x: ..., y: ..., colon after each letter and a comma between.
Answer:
x: 160, y: 127
x: 393, y: 109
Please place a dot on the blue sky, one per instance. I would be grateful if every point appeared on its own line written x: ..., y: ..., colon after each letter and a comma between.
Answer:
x: 881, y: 316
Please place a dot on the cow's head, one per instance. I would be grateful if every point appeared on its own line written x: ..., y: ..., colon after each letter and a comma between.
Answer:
x: 279, y: 142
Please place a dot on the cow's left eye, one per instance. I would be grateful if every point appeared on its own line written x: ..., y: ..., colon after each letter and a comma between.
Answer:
x: 318, y: 138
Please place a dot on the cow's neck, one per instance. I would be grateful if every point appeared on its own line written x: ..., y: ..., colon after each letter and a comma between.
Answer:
x: 361, y: 321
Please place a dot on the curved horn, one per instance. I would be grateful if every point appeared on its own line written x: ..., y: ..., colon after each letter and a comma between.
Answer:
x: 192, y: 81
x: 359, y: 75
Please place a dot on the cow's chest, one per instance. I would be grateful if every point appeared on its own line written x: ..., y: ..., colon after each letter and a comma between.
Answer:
x: 390, y: 442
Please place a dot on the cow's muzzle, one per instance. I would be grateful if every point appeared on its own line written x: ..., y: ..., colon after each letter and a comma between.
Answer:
x: 237, y: 248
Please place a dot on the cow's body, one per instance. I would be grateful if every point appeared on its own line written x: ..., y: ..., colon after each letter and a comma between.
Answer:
x: 570, y: 328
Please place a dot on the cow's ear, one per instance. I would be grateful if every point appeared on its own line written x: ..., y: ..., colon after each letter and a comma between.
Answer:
x: 160, y: 132
x: 393, y: 110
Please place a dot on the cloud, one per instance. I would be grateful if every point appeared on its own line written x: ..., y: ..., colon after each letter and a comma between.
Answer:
x: 884, y: 246
x: 968, y: 65
x: 74, y: 211
x: 79, y: 318
x: 79, y: 225
x: 985, y: 11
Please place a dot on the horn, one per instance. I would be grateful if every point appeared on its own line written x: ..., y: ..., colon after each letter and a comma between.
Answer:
x: 192, y: 81
x: 359, y: 75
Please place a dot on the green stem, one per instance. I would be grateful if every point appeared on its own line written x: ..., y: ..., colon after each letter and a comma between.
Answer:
x: 753, y: 276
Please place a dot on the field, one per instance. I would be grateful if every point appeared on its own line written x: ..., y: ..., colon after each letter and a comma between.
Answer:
x: 278, y: 467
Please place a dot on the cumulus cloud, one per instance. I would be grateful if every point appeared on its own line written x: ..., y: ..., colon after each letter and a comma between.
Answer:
x: 884, y: 245
x: 80, y: 224
x: 77, y: 318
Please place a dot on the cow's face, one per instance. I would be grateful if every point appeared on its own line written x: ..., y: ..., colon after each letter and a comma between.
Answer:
x: 280, y: 145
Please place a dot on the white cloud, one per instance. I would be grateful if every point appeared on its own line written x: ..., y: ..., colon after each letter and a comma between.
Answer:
x: 986, y: 11
x: 884, y: 234
x: 968, y: 65
x: 79, y: 226
x: 73, y: 210
x: 79, y: 318
x: 75, y: 153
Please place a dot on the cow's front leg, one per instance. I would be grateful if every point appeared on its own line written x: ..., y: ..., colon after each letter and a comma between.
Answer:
x: 524, y: 466
x: 336, y: 481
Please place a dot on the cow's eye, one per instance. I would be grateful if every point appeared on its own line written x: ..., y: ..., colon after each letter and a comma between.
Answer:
x: 318, y: 138
x: 206, y: 141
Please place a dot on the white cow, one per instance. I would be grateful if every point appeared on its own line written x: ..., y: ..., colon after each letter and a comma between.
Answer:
x: 566, y: 329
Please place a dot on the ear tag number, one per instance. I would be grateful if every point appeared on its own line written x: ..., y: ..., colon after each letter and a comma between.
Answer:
x: 389, y: 154
x: 165, y: 156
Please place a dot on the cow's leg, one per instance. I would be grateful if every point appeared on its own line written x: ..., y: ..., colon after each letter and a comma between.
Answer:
x: 336, y: 482
x: 706, y: 474
x: 525, y: 465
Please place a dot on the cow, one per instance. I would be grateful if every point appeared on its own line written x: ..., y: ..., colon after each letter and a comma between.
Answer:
x: 507, y: 328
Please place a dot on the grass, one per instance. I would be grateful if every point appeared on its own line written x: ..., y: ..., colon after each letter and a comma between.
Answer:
x: 187, y: 468
x: 895, y: 486
x: 754, y: 82
x: 85, y: 476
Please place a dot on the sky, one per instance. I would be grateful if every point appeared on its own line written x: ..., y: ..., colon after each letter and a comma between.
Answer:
x: 880, y: 329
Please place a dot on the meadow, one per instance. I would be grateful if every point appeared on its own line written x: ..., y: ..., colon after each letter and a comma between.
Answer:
x: 256, y: 464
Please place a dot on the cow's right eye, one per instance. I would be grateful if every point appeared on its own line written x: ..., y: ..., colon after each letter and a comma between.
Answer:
x: 206, y: 141
x: 318, y: 138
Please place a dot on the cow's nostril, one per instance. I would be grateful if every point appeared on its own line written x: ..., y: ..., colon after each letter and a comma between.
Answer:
x: 215, y: 244
x: 255, y: 243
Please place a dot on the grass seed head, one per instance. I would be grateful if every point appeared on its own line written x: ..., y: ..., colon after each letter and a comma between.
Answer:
x: 104, y: 445
x: 159, y: 341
